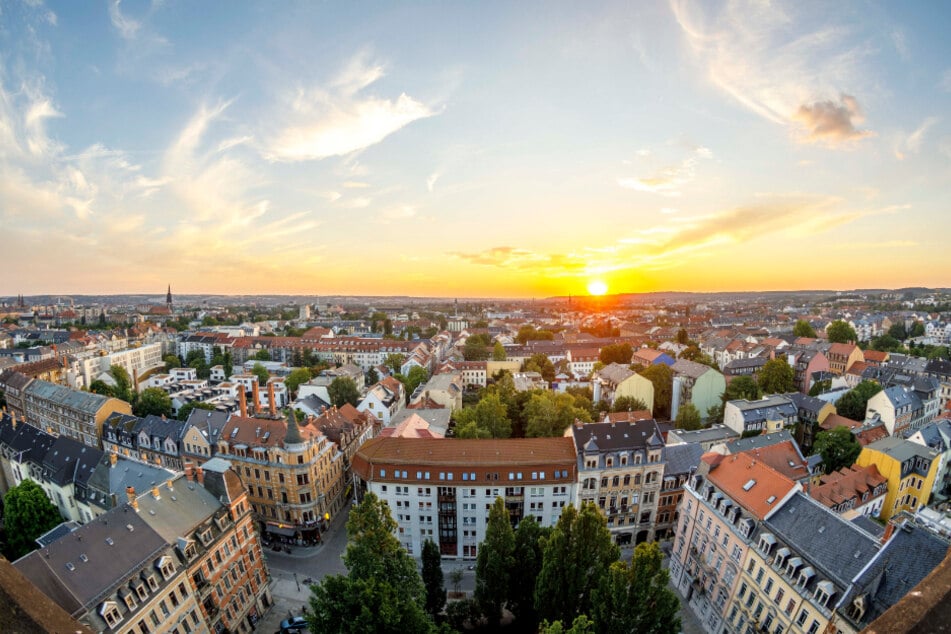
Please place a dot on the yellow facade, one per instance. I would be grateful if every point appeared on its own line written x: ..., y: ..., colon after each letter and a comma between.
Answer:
x: 909, y: 468
x: 639, y: 387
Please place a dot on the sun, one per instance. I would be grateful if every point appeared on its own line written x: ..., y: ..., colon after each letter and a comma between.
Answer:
x: 597, y: 287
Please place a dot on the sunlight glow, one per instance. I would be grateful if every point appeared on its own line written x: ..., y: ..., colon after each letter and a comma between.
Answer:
x: 597, y: 287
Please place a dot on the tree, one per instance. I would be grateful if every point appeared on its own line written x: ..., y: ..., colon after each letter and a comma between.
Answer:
x: 838, y: 447
x: 476, y: 348
x: 741, y: 387
x: 343, y: 390
x: 539, y: 362
x: 886, y: 343
x: 688, y: 417
x: 185, y: 410
x: 498, y: 352
x: 171, y: 361
x: 194, y: 355
x: 636, y: 597
x: 27, y: 514
x: 394, y: 361
x: 841, y: 332
x: 261, y: 372
x: 682, y: 337
x: 549, y: 415
x: 494, y: 563
x: 433, y: 578
x: 628, y: 404
x: 455, y: 578
x: 101, y: 387
x: 854, y: 402
x: 616, y: 353
x: 124, y: 387
x: 917, y: 329
x: 382, y: 591
x: 777, y: 377
x: 295, y: 378
x: 528, y: 557
x: 581, y: 625
x: 153, y: 401
x: 489, y: 415
x: 898, y: 331
x: 413, y: 379
x: 576, y: 555
x: 372, y: 377
x: 804, y: 329
x: 663, y: 379
x: 262, y: 355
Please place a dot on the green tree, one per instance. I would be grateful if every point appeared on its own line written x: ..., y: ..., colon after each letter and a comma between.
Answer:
x: 854, y: 402
x: 296, y: 377
x: 688, y: 417
x: 261, y: 372
x: 490, y: 415
x: 581, y: 625
x: 528, y: 557
x: 372, y: 377
x: 777, y: 377
x: 628, y: 404
x: 124, y: 387
x: 741, y: 387
x: 171, y: 361
x: 262, y: 355
x: 549, y: 415
x: 838, y: 447
x: 433, y: 578
x: 636, y: 597
x: 194, y: 355
x: 495, y: 562
x: 804, y: 329
x: 917, y: 329
x: 575, y: 557
x: 343, y: 390
x: 185, y: 410
x: 898, y: 331
x: 154, y: 401
x: 27, y: 514
x: 663, y: 379
x: 476, y: 348
x: 498, y: 352
x: 820, y: 386
x: 616, y: 353
x: 540, y: 363
x: 841, y: 332
x: 682, y: 337
x: 394, y: 361
x: 101, y: 387
x: 886, y: 343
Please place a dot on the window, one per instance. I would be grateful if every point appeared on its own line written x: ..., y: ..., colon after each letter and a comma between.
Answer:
x: 802, y: 618
x: 110, y: 613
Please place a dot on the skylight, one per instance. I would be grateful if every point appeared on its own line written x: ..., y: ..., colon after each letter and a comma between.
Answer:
x: 749, y: 485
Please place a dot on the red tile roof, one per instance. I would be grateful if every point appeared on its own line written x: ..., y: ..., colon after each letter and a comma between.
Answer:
x: 751, y: 483
x: 846, y: 484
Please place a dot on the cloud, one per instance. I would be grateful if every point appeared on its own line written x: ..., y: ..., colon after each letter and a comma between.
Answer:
x: 901, y: 45
x: 773, y: 62
x: 669, y: 180
x: 431, y: 181
x: 911, y: 144
x: 830, y: 122
x: 338, y: 121
x: 127, y: 27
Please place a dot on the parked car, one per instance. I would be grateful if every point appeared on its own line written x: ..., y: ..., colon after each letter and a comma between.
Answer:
x: 294, y: 625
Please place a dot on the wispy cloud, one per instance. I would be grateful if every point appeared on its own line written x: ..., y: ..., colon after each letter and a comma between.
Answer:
x: 127, y: 27
x: 338, y: 120
x: 911, y: 143
x: 431, y: 181
x: 767, y: 59
x: 669, y: 180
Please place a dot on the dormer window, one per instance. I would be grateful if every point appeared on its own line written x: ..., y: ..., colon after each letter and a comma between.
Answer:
x: 766, y: 542
x: 128, y: 597
x: 824, y: 592
x: 782, y: 555
x: 708, y: 492
x: 151, y: 580
x: 806, y: 575
x: 109, y: 611
x: 165, y: 566
x: 857, y: 609
x: 746, y: 527
x: 140, y: 590
x: 793, y: 565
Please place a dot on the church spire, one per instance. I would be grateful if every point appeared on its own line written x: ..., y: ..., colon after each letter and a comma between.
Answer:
x: 292, y: 437
x: 168, y: 298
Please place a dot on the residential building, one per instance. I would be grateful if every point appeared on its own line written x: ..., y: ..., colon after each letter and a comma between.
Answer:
x: 419, y: 423
x: 201, y: 434
x: 812, y: 412
x: 348, y: 429
x: 474, y: 373
x: 910, y: 469
x: 621, y: 470
x: 770, y: 413
x: 443, y: 489
x: 806, y: 362
x: 744, y: 367
x: 842, y: 356
x: 852, y: 491
x: 136, y: 361
x: 698, y: 384
x: 937, y: 435
x: 707, y: 438
x: 680, y: 462
x: 617, y: 380
x: 581, y: 359
x: 444, y: 389
x: 649, y: 356
x: 293, y: 473
x: 384, y: 399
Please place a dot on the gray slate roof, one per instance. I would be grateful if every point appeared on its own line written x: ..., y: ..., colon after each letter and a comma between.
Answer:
x: 620, y: 436
x: 832, y: 545
x: 758, y: 442
x: 178, y: 511
x: 86, y: 402
x: 690, y: 368
x: 683, y: 458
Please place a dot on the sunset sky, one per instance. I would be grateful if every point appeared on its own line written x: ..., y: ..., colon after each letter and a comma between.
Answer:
x: 504, y: 149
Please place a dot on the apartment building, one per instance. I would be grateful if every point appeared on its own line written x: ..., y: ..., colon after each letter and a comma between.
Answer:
x: 442, y: 489
x: 911, y: 470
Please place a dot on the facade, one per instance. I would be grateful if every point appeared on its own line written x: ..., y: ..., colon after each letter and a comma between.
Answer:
x: 442, y: 489
x: 66, y: 412
x: 444, y: 389
x: 384, y: 400
x: 770, y: 413
x: 698, y: 384
x: 910, y: 469
x: 937, y: 435
x: 707, y: 438
x: 293, y: 474
x: 616, y: 380
x: 621, y: 470
x: 136, y: 361
x: 842, y: 356
x: 852, y: 491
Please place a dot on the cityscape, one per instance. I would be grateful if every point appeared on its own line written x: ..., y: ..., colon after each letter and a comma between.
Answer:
x: 542, y: 318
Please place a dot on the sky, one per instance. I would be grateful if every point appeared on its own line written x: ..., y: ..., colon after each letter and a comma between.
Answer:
x: 473, y: 149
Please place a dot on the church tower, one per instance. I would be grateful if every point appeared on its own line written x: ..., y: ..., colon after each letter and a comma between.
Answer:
x: 168, y: 299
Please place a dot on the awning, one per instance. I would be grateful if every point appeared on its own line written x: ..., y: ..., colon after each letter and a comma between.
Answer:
x: 285, y: 531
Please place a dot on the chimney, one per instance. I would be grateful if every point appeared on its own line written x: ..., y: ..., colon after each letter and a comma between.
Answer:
x: 169, y: 484
x: 155, y: 493
x: 113, y: 458
x: 135, y: 381
x: 189, y: 471
x: 272, y: 406
x: 889, y: 529
x: 254, y: 393
x: 242, y: 401
x: 200, y: 475
x: 130, y: 492
x: 13, y: 419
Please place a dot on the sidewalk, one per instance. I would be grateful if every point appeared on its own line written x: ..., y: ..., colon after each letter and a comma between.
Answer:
x: 290, y: 596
